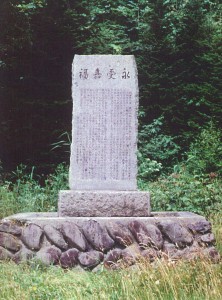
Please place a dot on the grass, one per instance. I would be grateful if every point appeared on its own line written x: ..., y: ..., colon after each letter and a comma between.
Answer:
x: 164, y: 280
x: 196, y: 280
x: 24, y: 192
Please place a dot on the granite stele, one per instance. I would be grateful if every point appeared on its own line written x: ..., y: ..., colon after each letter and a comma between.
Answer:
x: 103, y: 220
x: 103, y: 166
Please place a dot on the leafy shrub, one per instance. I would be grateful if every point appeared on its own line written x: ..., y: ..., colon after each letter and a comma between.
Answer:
x: 148, y: 169
x: 205, y: 153
x: 196, y: 183
x: 156, y: 150
x: 184, y: 192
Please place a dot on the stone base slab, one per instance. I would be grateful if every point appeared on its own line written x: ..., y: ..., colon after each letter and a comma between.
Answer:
x: 52, y: 218
x: 113, y: 242
x: 103, y: 203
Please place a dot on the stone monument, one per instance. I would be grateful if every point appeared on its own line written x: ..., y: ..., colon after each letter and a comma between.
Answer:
x: 103, y: 166
x: 103, y: 218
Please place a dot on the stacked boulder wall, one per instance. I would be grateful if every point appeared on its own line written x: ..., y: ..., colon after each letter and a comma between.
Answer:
x: 115, y: 242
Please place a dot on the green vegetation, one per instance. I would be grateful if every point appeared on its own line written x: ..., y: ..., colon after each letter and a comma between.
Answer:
x: 177, y: 46
x: 25, y: 193
x: 180, y: 281
x: 194, y: 183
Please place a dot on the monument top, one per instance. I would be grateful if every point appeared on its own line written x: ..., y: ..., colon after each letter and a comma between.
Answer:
x: 104, y: 126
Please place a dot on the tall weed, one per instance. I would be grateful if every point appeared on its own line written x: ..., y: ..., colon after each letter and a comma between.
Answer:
x: 25, y: 193
x: 162, y: 280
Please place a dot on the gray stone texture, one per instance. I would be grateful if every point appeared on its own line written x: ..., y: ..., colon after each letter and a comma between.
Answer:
x: 200, y: 227
x: 51, y: 218
x: 9, y: 241
x: 123, y: 241
x: 121, y: 258
x: 49, y: 255
x: 131, y: 254
x: 112, y: 258
x: 150, y: 254
x: 32, y: 236
x: 119, y: 233
x: 176, y: 233
x: 103, y: 162
x: 69, y: 258
x: 212, y: 254
x: 146, y: 235
x: 208, y: 238
x: 97, y: 236
x: 9, y: 227
x: 90, y: 259
x: 104, y: 125
x: 104, y: 203
x: 24, y: 254
x: 169, y: 248
x: 55, y: 236
x: 74, y: 236
x: 5, y: 254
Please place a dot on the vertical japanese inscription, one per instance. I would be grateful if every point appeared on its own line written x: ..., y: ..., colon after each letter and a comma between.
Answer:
x: 103, y: 140
x: 105, y: 101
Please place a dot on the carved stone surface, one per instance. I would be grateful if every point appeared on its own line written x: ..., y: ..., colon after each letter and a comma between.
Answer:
x: 104, y: 127
x: 104, y: 203
x: 104, y: 140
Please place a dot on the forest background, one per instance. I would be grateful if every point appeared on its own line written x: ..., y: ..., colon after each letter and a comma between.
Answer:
x: 177, y: 45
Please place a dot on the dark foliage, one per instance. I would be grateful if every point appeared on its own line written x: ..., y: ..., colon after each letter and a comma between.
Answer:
x: 178, y: 49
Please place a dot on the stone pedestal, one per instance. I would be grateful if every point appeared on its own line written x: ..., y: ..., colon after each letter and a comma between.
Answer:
x: 104, y: 203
